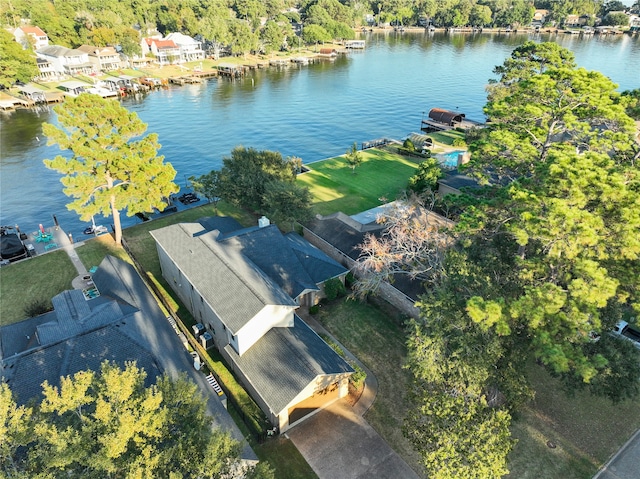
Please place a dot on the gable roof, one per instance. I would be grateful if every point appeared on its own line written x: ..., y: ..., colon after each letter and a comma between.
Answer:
x: 232, y: 284
x: 181, y: 39
x: 98, y: 51
x: 59, y: 51
x: 292, y: 262
x: 37, y: 31
x: 285, y: 361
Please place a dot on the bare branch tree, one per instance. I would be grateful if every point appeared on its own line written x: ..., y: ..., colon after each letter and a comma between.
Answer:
x: 413, y: 243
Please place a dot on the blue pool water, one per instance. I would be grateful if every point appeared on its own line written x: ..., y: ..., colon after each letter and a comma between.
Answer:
x: 449, y: 159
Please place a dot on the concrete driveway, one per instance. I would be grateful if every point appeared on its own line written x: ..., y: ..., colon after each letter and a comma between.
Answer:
x: 339, y: 444
x: 625, y: 464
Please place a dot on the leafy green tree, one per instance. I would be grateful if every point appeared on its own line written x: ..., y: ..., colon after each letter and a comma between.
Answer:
x: 209, y: 186
x: 458, y: 435
x: 426, y: 176
x: 533, y: 114
x: 108, y: 424
x: 112, y: 167
x: 16, y: 63
x: 480, y: 15
x: 16, y: 423
x: 353, y: 157
x: 286, y: 202
x: 616, y: 19
x: 315, y: 34
x: 246, y: 174
x: 272, y: 36
x: 242, y: 38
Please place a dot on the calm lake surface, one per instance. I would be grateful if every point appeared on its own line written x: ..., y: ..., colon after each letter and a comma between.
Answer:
x: 314, y: 112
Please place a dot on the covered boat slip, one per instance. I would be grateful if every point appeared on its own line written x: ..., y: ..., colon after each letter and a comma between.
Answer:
x: 440, y: 119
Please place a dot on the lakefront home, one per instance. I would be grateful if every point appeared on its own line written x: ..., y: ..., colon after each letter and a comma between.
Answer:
x: 66, y: 61
x: 31, y: 37
x: 243, y: 286
x: 104, y: 59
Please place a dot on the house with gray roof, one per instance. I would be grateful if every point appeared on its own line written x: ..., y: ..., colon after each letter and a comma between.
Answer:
x: 120, y: 322
x: 244, y: 285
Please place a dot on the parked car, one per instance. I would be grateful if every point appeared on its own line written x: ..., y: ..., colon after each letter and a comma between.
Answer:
x: 626, y: 331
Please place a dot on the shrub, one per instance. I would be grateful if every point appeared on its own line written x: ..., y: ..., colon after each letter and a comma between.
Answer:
x: 349, y: 279
x: 334, y: 288
x: 314, y: 309
x: 358, y: 377
x: 408, y: 145
x: 37, y: 307
x: 459, y: 142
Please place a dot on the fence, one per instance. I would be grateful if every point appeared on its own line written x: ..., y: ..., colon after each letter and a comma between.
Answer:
x: 245, y: 407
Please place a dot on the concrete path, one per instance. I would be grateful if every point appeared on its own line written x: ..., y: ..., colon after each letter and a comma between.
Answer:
x: 339, y: 444
x: 625, y: 464
x: 82, y: 281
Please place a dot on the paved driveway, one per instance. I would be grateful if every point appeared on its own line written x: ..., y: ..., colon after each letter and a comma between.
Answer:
x: 625, y: 464
x: 339, y: 444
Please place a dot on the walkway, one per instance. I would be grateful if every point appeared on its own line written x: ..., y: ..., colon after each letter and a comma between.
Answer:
x: 338, y: 443
x: 82, y: 281
x: 625, y: 463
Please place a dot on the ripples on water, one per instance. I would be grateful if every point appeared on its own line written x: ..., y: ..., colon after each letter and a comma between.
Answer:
x: 314, y: 112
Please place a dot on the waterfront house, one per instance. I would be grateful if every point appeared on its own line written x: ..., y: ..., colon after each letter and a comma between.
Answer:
x: 66, y: 61
x: 190, y: 49
x: 46, y: 69
x: 114, y: 318
x: 165, y: 51
x: 244, y: 286
x: 31, y: 37
x: 104, y: 59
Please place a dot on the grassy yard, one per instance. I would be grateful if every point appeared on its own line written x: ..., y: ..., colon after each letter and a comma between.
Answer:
x: 335, y: 188
x: 34, y: 280
x: 586, y: 431
x: 376, y: 338
x: 93, y: 251
x: 447, y: 137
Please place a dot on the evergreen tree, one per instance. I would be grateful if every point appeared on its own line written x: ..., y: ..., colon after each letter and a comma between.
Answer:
x: 112, y: 167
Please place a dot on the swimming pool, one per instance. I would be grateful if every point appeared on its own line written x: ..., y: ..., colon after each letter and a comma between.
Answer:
x: 449, y: 159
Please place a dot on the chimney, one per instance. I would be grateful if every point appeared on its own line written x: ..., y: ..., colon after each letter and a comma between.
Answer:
x: 264, y: 221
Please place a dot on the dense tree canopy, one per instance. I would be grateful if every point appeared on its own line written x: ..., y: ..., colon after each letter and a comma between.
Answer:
x: 108, y: 424
x: 16, y: 64
x: 541, y: 265
x: 112, y: 167
x: 264, y: 183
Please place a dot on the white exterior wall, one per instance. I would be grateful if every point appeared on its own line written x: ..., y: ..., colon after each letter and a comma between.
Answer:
x: 270, y: 316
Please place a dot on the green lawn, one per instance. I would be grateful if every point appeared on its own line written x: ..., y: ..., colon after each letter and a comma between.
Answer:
x: 283, y: 456
x: 93, y: 251
x: 585, y: 429
x: 447, y: 137
x: 375, y: 336
x: 334, y: 187
x: 34, y: 280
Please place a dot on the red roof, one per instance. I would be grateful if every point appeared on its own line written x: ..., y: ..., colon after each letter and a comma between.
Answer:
x: 33, y: 30
x: 161, y: 43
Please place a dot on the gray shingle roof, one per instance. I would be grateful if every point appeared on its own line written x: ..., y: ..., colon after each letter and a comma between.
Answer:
x: 289, y: 260
x: 235, y: 287
x: 285, y: 360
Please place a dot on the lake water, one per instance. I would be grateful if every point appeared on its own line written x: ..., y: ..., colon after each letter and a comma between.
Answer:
x: 314, y: 112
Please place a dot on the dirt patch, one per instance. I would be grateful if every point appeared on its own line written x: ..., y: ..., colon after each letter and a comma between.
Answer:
x: 354, y: 394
